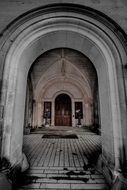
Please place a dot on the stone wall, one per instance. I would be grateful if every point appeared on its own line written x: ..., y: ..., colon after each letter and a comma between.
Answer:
x: 115, y: 9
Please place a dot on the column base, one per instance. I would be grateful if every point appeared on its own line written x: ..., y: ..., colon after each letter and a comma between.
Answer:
x: 79, y: 126
x: 107, y: 169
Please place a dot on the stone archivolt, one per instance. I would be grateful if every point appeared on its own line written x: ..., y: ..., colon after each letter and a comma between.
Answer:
x: 75, y: 27
x: 71, y: 73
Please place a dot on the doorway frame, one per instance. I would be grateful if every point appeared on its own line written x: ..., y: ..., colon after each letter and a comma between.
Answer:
x: 70, y: 107
x: 103, y: 45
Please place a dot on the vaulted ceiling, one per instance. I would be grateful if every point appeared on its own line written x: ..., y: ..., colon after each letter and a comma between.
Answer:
x: 63, y: 64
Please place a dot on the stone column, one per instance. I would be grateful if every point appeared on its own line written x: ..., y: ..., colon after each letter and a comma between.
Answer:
x: 42, y: 113
x: 39, y: 114
x: 53, y: 113
x: 73, y: 114
x: 34, y: 114
x: 88, y: 114
x: 26, y: 116
x: 84, y: 114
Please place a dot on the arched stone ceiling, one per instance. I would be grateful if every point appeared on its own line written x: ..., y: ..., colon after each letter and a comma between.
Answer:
x: 62, y: 62
x: 56, y: 84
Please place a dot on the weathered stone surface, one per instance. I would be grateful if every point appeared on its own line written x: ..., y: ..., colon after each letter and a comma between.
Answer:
x: 96, y: 37
x: 115, y: 9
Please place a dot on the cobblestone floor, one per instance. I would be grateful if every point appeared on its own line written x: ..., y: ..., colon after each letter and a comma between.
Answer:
x: 62, y: 163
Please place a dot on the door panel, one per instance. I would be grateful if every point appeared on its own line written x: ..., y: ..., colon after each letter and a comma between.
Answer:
x: 63, y: 110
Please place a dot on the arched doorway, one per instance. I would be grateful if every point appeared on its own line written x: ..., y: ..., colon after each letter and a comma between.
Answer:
x: 63, y: 110
x: 102, y: 42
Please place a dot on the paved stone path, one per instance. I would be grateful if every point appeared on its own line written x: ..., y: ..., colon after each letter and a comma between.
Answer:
x: 60, y: 163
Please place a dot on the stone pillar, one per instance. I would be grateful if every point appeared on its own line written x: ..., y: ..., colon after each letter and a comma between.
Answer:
x: 88, y: 114
x: 42, y: 113
x: 34, y: 114
x: 39, y: 114
x: 84, y: 112
x: 73, y: 114
x: 26, y: 116
x: 53, y: 113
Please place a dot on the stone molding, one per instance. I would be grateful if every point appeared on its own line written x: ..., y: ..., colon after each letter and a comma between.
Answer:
x: 80, y: 28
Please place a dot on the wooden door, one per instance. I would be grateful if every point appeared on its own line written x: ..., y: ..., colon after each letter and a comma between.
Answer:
x: 63, y: 110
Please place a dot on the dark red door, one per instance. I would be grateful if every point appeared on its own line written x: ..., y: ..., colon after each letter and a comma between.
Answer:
x: 63, y: 110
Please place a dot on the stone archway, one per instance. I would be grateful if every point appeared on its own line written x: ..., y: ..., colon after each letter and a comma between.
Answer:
x: 79, y: 80
x: 42, y: 30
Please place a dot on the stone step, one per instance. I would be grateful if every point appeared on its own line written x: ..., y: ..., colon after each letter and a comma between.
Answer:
x: 63, y: 186
x: 58, y: 178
